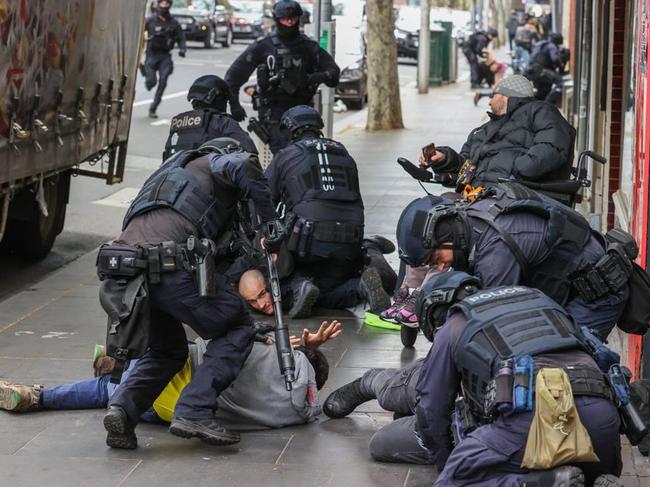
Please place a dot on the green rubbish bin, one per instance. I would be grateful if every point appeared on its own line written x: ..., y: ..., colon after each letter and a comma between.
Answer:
x: 446, y: 50
x: 435, y: 62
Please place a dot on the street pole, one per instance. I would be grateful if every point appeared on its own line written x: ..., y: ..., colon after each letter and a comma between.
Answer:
x: 327, y: 42
x: 315, y: 20
x: 424, y: 48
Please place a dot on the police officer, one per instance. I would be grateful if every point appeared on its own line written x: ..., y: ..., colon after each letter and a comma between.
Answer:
x: 514, y: 235
x: 193, y: 194
x: 162, y: 31
x: 395, y: 389
x: 422, y: 393
x: 207, y: 120
x: 317, y: 180
x: 289, y: 66
x: 481, y: 332
x: 473, y: 49
x: 546, y: 68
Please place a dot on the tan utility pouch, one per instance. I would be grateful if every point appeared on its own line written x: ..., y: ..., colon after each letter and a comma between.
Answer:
x: 556, y: 435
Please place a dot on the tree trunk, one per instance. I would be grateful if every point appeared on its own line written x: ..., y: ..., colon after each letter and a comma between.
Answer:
x: 384, y: 106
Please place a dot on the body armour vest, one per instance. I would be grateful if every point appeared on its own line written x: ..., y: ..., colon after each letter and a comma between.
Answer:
x: 188, y: 130
x: 161, y: 34
x: 541, y: 56
x: 328, y: 173
x: 502, y: 323
x: 292, y: 65
x: 567, y: 235
x: 173, y: 187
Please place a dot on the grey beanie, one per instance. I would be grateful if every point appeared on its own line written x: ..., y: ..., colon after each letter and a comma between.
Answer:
x: 516, y: 86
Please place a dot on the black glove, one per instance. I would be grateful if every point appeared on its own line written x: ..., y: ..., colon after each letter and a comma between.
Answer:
x: 237, y: 111
x: 274, y: 234
x: 314, y: 79
x: 181, y: 53
x: 262, y: 330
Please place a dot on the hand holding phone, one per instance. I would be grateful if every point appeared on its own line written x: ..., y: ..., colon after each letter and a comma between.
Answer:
x: 428, y: 152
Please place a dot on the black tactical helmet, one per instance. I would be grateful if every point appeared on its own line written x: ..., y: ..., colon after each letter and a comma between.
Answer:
x: 221, y: 145
x: 438, y: 294
x: 287, y: 9
x: 447, y: 223
x: 409, y: 230
x: 556, y: 38
x: 210, y: 90
x: 300, y: 117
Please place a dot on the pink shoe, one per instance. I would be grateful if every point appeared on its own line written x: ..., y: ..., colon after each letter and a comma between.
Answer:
x: 390, y: 314
x: 406, y: 315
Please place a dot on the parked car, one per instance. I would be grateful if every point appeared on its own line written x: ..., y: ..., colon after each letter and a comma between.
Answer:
x: 350, y: 56
x: 203, y: 21
x: 407, y: 31
x: 247, y: 20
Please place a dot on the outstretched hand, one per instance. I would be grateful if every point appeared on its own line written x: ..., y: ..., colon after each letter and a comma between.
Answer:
x: 326, y: 331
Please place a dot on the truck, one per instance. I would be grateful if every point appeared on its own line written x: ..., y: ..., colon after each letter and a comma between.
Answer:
x: 67, y: 84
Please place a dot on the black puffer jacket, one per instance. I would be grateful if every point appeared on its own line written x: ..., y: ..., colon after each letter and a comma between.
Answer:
x: 532, y: 141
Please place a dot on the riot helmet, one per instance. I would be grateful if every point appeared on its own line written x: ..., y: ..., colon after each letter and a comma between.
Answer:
x: 163, y: 10
x: 446, y: 227
x: 209, y: 91
x: 438, y: 294
x: 286, y: 14
x: 221, y: 145
x: 300, y: 119
x: 556, y: 38
x: 409, y: 230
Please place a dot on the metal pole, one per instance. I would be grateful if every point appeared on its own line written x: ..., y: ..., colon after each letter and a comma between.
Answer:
x: 328, y: 93
x: 424, y: 48
x: 315, y: 20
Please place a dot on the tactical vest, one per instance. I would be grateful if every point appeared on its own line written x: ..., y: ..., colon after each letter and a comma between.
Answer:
x: 327, y: 173
x: 567, y: 235
x: 541, y: 56
x: 502, y: 323
x: 188, y: 130
x: 162, y: 34
x: 292, y: 65
x: 171, y: 186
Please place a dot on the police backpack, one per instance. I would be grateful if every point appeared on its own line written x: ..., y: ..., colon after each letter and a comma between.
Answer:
x: 636, y: 314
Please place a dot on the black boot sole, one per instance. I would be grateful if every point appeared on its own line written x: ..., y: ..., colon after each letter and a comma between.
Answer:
x: 302, y: 309
x: 378, y: 300
x: 185, y: 430
x: 118, y: 436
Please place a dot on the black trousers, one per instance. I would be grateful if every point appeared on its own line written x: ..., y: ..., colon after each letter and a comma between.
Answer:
x: 224, y: 320
x: 158, y: 65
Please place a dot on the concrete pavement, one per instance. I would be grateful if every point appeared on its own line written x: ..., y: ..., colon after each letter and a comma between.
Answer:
x: 48, y: 330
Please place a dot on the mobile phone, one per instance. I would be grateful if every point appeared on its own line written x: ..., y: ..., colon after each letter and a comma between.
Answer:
x: 428, y: 151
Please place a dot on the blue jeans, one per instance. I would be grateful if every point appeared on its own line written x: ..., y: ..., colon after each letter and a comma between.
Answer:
x: 85, y: 394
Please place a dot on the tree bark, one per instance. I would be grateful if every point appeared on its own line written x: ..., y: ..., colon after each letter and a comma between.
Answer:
x: 384, y: 105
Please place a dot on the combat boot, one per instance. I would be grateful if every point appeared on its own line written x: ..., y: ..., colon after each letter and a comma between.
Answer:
x: 372, y: 291
x: 382, y: 244
x: 346, y: 399
x: 20, y: 398
x: 121, y: 431
x: 207, y: 430
x: 305, y: 294
x: 565, y: 476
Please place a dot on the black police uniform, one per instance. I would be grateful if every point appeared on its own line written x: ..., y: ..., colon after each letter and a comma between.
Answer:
x: 473, y: 49
x: 188, y: 130
x: 191, y: 195
x: 301, y: 65
x: 483, y: 329
x: 544, y: 69
x: 317, y: 179
x: 558, y: 253
x: 162, y: 32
